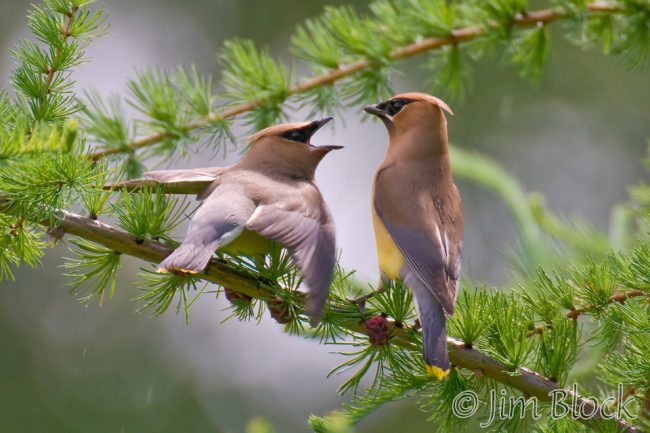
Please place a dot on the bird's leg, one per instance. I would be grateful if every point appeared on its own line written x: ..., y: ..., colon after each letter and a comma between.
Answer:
x: 360, y: 301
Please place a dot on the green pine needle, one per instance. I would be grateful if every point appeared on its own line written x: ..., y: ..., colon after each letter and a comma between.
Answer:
x: 251, y: 74
x: 93, y: 271
x: 19, y: 243
x: 104, y: 121
x: 472, y: 316
x: 161, y: 289
x: 530, y: 52
x: 396, y: 301
x: 149, y: 213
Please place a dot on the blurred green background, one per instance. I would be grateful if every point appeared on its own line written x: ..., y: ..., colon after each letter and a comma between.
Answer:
x: 577, y: 136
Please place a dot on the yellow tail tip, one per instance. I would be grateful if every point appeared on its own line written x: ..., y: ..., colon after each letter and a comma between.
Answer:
x: 177, y: 271
x: 436, y: 372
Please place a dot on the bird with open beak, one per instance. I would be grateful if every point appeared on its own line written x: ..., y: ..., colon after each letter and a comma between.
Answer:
x: 417, y: 215
x: 270, y: 195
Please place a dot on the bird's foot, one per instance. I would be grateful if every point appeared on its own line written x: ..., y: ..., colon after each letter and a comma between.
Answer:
x: 360, y: 301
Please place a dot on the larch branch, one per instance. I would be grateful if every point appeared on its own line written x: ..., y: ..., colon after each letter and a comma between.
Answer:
x: 219, y: 272
x: 574, y: 313
x: 529, y: 19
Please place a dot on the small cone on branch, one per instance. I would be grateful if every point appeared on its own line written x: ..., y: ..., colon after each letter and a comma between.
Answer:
x: 377, y: 330
x: 236, y: 297
x: 279, y: 311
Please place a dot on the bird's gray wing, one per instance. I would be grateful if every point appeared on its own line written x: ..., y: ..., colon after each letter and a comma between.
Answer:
x: 453, y: 240
x: 307, y: 231
x: 174, y: 181
x: 412, y: 221
x: 220, y: 219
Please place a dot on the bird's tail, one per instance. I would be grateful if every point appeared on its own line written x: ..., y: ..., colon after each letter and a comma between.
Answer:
x: 188, y: 258
x: 434, y: 336
x: 434, y: 329
x: 315, y: 306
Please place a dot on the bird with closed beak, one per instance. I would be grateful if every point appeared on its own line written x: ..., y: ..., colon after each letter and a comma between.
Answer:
x: 417, y: 215
x: 270, y: 195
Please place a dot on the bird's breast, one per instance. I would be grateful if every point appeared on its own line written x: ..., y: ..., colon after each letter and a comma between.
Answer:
x: 248, y: 243
x: 389, y: 256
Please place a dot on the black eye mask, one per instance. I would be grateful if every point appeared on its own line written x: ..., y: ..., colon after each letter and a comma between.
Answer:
x: 392, y: 107
x: 395, y: 106
x: 297, y: 135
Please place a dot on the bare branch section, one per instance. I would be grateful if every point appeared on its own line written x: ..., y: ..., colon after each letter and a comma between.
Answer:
x: 526, y: 381
x: 620, y: 298
x: 153, y: 251
x: 175, y: 187
x: 530, y: 19
x: 615, y: 298
x: 531, y: 384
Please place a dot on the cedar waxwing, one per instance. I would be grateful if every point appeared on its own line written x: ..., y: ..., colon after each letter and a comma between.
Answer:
x: 417, y: 215
x: 270, y: 195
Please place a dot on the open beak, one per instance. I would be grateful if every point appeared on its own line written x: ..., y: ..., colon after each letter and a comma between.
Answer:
x: 330, y: 147
x: 318, y: 124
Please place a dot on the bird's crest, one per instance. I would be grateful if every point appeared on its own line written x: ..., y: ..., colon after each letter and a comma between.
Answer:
x: 416, y: 96
x: 275, y: 130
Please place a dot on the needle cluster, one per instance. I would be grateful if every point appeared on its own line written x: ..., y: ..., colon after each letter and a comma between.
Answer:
x: 577, y: 293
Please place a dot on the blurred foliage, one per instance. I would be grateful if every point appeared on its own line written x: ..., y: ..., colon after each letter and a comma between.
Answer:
x: 566, y: 269
x: 354, y: 56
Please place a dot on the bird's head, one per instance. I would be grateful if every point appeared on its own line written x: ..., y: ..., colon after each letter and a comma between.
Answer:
x: 288, y: 146
x: 409, y: 111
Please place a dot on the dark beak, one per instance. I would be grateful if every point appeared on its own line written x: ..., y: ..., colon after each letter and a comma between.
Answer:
x: 330, y: 147
x: 375, y: 110
x: 318, y: 124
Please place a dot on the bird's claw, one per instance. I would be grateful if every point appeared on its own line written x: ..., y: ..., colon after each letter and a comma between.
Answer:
x: 360, y: 301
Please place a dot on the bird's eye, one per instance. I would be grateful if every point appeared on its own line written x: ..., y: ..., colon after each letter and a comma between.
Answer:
x: 396, y: 106
x: 296, y: 135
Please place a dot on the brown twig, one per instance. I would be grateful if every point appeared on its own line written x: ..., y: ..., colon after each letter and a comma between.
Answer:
x: 154, y: 251
x: 617, y: 297
x: 530, y: 19
x: 65, y: 32
x: 49, y: 78
x: 194, y: 186
x: 574, y: 313
x: 245, y: 283
x: 527, y: 381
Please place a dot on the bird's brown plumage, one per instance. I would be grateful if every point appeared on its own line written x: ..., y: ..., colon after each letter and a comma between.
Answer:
x: 417, y: 203
x: 269, y: 195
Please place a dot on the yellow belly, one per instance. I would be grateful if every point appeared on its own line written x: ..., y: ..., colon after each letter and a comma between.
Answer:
x: 248, y: 243
x: 389, y: 256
